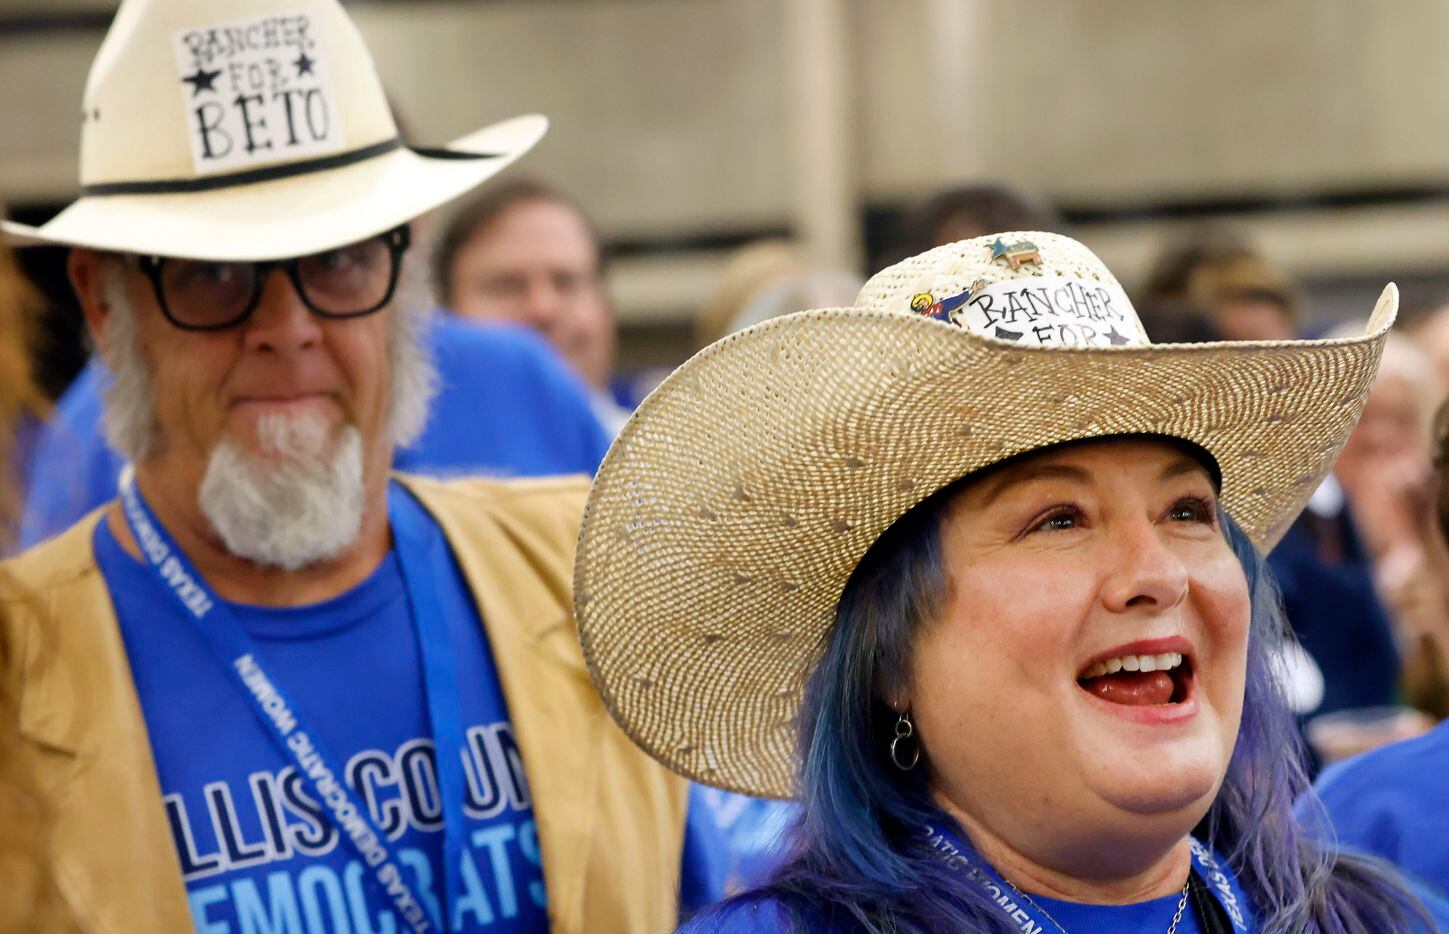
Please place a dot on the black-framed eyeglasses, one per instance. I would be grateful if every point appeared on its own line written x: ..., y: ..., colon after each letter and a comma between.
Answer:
x: 347, y: 282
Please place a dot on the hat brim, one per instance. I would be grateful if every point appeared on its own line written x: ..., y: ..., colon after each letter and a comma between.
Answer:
x: 730, y: 512
x: 291, y: 216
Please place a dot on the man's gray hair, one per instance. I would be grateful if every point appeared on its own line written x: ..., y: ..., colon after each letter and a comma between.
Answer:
x: 129, y: 416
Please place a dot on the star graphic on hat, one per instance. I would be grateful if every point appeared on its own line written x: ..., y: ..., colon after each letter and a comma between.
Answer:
x: 1115, y: 338
x: 203, y: 80
x: 304, y: 64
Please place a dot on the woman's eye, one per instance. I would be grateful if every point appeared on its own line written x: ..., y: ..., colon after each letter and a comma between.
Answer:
x: 1060, y: 520
x: 1192, y: 509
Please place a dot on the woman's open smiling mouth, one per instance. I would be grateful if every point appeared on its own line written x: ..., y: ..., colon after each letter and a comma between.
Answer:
x: 1144, y: 682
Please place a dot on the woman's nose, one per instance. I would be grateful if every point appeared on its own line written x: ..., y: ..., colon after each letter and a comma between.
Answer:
x: 1144, y: 571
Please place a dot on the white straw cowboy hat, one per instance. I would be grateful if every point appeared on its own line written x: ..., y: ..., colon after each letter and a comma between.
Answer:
x: 251, y: 129
x: 733, y: 507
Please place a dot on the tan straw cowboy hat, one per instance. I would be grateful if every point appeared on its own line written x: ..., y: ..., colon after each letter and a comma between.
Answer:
x: 732, y: 509
x: 251, y: 129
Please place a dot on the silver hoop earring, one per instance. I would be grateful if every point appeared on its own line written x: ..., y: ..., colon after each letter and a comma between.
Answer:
x: 905, y: 730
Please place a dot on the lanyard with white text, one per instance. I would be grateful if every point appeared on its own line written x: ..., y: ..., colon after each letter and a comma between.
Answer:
x: 419, y: 550
x: 1213, y: 901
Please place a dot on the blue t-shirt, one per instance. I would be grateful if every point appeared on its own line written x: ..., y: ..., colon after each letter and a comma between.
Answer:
x: 768, y: 916
x: 1038, y: 913
x: 256, y: 852
x: 1323, y: 573
x: 506, y: 406
x: 732, y: 843
x: 1394, y: 802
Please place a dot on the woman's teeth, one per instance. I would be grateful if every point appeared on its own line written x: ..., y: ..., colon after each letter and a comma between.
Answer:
x: 1164, y: 662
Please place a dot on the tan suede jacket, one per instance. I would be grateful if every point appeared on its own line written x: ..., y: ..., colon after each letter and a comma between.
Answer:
x: 610, y: 820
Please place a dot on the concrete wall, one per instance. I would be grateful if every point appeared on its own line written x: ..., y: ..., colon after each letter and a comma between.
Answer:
x: 680, y: 118
x: 1127, y: 99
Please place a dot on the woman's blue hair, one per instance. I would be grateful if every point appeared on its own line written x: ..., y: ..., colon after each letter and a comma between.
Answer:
x: 857, y: 858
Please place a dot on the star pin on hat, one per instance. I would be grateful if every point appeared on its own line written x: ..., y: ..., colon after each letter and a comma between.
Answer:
x: 732, y: 509
x: 251, y: 129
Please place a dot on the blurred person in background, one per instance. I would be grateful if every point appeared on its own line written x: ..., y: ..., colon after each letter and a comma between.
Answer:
x: 1431, y: 332
x: 1163, y: 301
x: 1241, y: 293
x: 969, y: 211
x: 1179, y: 322
x: 1394, y: 801
x: 31, y: 900
x: 747, y: 271
x: 764, y: 280
x: 1218, y: 283
x: 1248, y: 301
x: 1386, y: 469
x: 525, y: 252
x: 22, y: 405
x: 275, y: 682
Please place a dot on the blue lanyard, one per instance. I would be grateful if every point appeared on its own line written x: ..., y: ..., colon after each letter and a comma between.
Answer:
x: 421, y: 554
x: 1220, y: 912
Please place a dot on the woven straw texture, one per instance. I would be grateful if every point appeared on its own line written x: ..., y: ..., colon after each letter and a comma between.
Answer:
x: 730, y: 512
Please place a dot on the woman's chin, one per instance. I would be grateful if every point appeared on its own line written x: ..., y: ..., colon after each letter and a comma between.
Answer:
x: 1161, y: 784
x: 1149, y: 768
x: 1188, y: 799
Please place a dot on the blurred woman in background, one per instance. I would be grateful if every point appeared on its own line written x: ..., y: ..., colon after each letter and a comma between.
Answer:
x: 1387, y: 471
x: 21, y: 402
x: 29, y: 899
x: 1346, y: 672
x: 1394, y: 802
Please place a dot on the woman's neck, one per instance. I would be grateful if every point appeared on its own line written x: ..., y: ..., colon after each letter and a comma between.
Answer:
x: 1157, y: 872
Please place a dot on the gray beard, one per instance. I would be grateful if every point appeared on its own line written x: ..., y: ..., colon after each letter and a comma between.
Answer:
x: 294, y: 504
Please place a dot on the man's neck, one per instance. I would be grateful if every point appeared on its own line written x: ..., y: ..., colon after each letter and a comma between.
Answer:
x: 243, y: 581
x: 1160, y: 868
